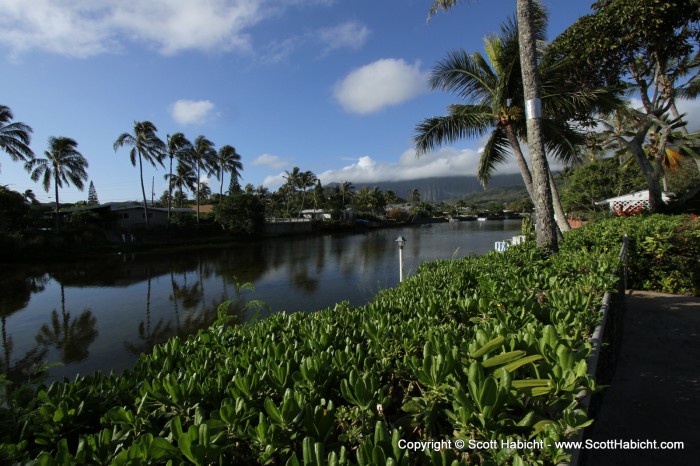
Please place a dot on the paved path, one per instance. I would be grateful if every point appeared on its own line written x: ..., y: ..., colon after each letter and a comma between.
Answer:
x: 655, y: 391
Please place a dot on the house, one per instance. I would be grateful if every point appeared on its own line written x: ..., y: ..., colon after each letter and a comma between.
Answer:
x: 315, y: 214
x: 632, y: 201
x: 129, y: 216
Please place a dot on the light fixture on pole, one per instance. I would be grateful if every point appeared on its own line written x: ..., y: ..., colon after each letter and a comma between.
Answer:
x: 400, y: 241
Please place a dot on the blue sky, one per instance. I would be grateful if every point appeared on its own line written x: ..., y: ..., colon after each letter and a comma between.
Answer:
x: 331, y: 86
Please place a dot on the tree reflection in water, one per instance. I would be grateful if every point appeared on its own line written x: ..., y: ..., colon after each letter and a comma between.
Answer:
x: 71, y: 337
x: 191, y: 297
x: 17, y: 291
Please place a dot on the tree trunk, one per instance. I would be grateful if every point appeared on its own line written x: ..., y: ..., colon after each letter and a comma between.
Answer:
x: 170, y: 188
x: 546, y: 227
x: 221, y: 188
x: 562, y: 223
x: 520, y: 158
x: 560, y: 216
x: 55, y: 186
x: 197, y: 196
x: 143, y: 191
x: 651, y: 173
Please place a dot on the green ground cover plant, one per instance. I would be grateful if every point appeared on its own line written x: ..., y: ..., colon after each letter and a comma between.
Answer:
x: 480, y: 349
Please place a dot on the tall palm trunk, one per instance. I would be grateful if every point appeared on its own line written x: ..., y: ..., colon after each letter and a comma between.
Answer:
x: 197, y: 196
x: 143, y: 190
x: 55, y: 187
x: 546, y: 227
x: 562, y: 222
x: 170, y: 188
x: 520, y: 159
x: 221, y: 188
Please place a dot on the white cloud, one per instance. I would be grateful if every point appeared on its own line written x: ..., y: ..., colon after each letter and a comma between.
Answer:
x: 191, y: 112
x: 275, y: 181
x: 84, y: 28
x: 691, y: 109
x: 268, y: 160
x: 448, y: 161
x: 380, y: 84
x: 350, y: 34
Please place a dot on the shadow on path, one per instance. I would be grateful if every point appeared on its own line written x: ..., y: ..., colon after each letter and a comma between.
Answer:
x: 655, y: 391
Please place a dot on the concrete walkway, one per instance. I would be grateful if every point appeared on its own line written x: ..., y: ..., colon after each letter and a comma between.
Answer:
x: 655, y: 391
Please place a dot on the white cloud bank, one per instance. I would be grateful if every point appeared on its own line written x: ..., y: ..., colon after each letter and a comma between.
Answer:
x: 269, y: 160
x: 380, y: 84
x: 448, y: 161
x: 192, y: 112
x: 80, y: 28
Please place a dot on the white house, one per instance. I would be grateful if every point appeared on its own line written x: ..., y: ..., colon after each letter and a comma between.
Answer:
x: 315, y: 214
x: 632, y: 200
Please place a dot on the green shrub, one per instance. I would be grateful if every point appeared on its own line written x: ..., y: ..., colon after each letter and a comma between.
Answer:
x: 488, y: 348
x: 664, y: 250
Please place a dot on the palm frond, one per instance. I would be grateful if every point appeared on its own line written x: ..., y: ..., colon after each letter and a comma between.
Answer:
x: 463, y: 121
x: 495, y: 152
x: 469, y: 77
x: 14, y: 137
x: 441, y: 5
x: 562, y: 140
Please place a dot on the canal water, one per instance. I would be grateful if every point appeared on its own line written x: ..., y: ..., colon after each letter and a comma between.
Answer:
x: 101, y: 314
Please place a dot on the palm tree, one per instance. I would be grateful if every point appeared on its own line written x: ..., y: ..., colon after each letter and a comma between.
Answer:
x: 30, y: 197
x: 183, y: 178
x: 228, y: 160
x: 203, y: 191
x: 145, y: 144
x: 414, y: 196
x: 177, y: 146
x: 14, y: 137
x: 290, y: 186
x: 203, y: 156
x: 305, y: 180
x: 63, y: 165
x: 346, y: 191
x: 495, y: 87
x: 546, y: 231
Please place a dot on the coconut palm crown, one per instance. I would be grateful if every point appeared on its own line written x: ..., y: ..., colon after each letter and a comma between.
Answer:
x: 145, y: 145
x: 63, y: 165
x: 178, y: 147
x: 202, y: 157
x: 228, y: 160
x: 14, y: 137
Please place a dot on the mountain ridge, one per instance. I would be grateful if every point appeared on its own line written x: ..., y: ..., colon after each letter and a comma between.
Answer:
x: 447, y: 188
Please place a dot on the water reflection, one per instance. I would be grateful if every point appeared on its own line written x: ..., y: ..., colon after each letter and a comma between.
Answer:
x: 103, y: 313
x: 16, y: 294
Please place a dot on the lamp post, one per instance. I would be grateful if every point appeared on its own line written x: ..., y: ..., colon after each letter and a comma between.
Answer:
x: 400, y: 241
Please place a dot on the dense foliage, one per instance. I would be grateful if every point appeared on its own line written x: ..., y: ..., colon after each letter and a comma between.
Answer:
x: 485, y: 348
x: 664, y: 250
x: 599, y: 180
x: 240, y: 213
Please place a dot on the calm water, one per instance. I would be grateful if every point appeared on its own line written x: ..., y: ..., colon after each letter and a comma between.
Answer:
x: 102, y: 314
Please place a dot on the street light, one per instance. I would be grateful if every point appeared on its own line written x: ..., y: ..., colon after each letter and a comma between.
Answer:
x: 400, y: 241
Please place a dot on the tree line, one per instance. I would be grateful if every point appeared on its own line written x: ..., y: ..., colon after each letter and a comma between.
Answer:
x: 63, y: 164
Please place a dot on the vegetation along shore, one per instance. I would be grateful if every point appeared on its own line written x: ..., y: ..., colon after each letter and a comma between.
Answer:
x: 483, y: 348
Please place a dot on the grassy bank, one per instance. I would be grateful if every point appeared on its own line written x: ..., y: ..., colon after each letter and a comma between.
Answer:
x: 479, y: 349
